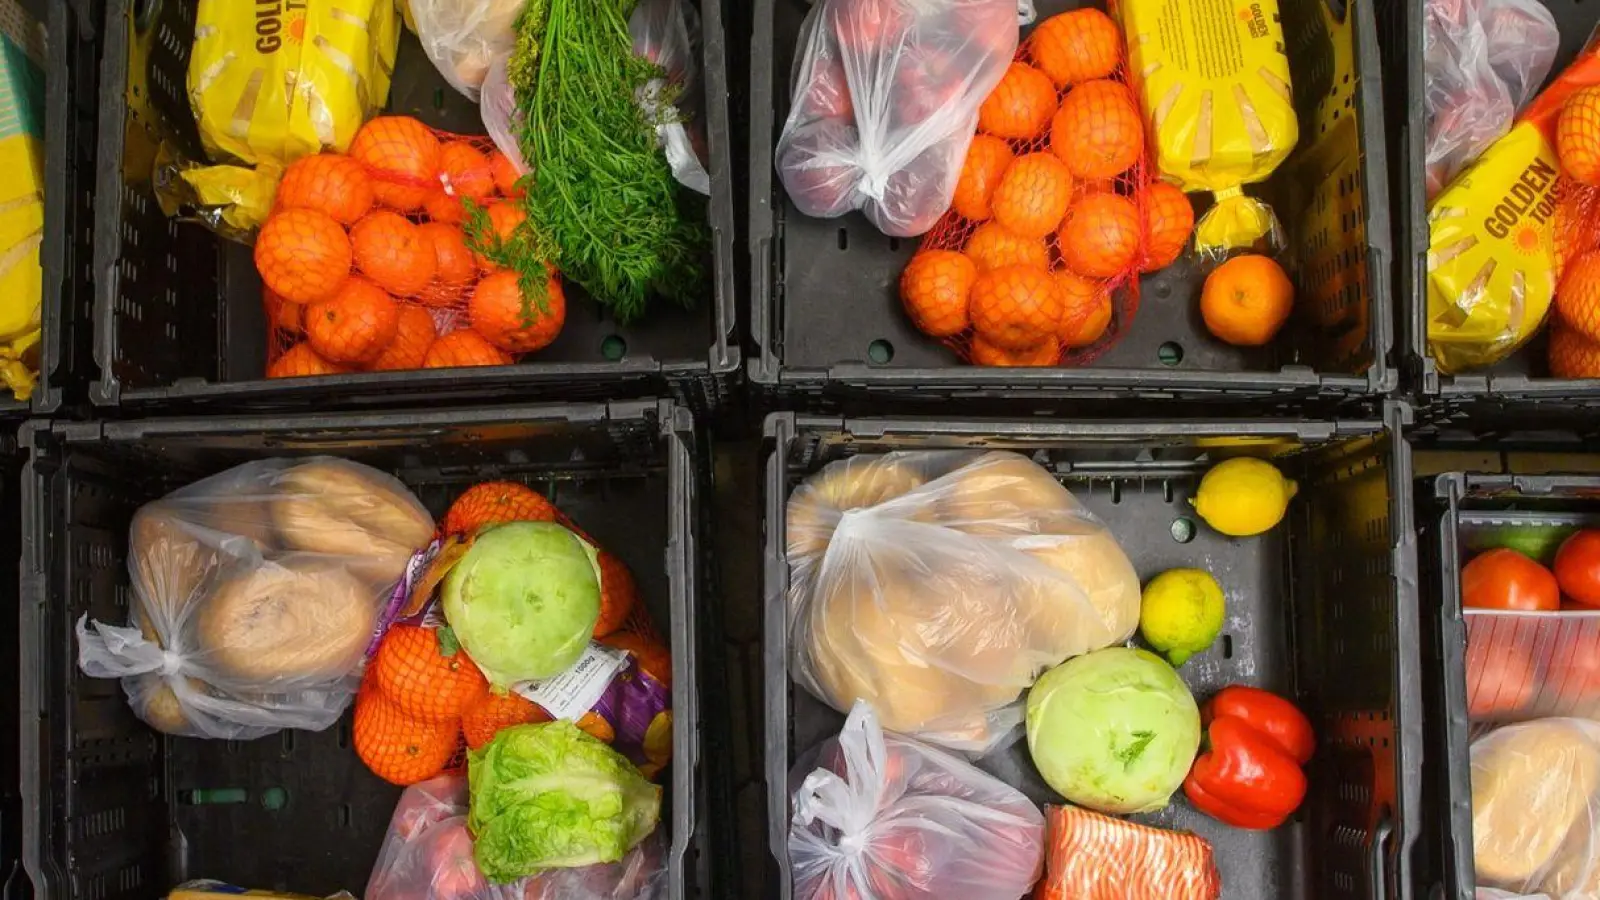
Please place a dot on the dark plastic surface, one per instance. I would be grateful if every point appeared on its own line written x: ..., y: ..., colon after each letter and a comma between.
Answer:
x: 116, y: 811
x: 1521, y: 382
x: 178, y: 315
x: 1322, y: 609
x: 825, y: 310
x: 1450, y: 509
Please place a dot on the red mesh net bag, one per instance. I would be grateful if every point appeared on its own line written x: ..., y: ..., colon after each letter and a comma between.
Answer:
x: 1054, y: 214
x: 409, y: 252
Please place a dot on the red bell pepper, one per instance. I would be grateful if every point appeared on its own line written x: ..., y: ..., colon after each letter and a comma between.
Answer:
x: 1249, y: 775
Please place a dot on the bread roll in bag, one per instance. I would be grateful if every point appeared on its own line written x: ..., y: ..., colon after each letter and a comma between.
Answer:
x: 1534, y: 789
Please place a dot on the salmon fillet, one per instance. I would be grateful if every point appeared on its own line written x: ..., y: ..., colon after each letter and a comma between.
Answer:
x: 1089, y: 856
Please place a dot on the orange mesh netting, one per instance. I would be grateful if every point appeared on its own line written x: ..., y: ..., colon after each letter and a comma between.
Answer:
x: 401, y: 255
x: 1055, y: 214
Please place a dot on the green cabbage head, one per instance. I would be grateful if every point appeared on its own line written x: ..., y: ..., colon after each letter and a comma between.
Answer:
x: 1114, y: 730
x: 523, y: 600
x: 549, y: 796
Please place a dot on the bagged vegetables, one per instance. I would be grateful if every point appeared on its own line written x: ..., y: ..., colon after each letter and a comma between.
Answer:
x: 462, y: 38
x: 1485, y: 59
x: 1091, y: 855
x: 299, y: 95
x: 937, y: 585
x: 877, y: 816
x: 256, y: 596
x: 885, y: 101
x: 1213, y: 80
x: 1534, y: 806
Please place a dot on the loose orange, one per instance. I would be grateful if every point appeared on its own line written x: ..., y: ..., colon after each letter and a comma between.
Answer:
x: 1168, y: 221
x: 411, y: 341
x: 496, y: 503
x: 463, y: 348
x: 1246, y: 300
x: 992, y: 246
x: 402, y: 156
x: 514, y: 323
x: 1578, y: 295
x: 355, y: 324
x: 504, y: 217
x: 302, y: 254
x: 1045, y: 353
x: 935, y: 287
x: 1033, y: 195
x: 1076, y: 46
x: 987, y: 160
x: 1086, y: 309
x: 398, y: 748
x: 1020, y: 106
x: 1015, y: 307
x: 1097, y: 131
x: 327, y: 182
x: 1100, y: 236
x: 1578, y: 135
x: 390, y: 251
x: 1571, y: 354
x: 455, y: 268
x: 300, y: 361
x: 505, y: 175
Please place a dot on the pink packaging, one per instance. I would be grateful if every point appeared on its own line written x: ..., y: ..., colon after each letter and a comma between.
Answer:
x: 1527, y: 665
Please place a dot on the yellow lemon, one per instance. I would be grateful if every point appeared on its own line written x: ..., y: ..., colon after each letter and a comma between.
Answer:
x: 1244, y: 496
x: 1180, y: 613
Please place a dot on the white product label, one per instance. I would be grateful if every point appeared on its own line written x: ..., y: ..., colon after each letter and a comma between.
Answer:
x: 576, y: 691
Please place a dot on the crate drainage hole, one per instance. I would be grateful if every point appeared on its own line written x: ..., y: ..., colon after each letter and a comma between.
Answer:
x: 274, y: 798
x: 1182, y: 530
x: 1170, y: 353
x: 880, y: 351
x: 613, y: 347
x: 1227, y: 646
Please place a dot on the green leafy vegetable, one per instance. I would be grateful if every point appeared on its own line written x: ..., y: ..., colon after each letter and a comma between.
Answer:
x: 550, y: 796
x: 523, y: 600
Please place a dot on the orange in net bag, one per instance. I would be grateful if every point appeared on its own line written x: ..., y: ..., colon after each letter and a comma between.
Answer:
x: 408, y: 252
x: 1054, y: 214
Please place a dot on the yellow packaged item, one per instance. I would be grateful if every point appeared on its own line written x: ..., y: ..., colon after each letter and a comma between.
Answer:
x: 1492, y: 261
x: 1213, y: 80
x: 270, y: 84
x: 21, y: 196
x: 208, y: 889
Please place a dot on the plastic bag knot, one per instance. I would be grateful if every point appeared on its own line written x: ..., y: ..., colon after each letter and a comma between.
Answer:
x: 171, y: 663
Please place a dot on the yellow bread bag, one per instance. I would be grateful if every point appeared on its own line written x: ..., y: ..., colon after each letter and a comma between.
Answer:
x: 270, y: 84
x: 1214, y: 84
x: 21, y: 196
x: 1492, y: 260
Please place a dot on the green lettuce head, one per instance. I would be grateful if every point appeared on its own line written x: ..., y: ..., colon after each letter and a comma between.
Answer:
x: 1114, y: 730
x: 523, y: 600
x: 549, y: 796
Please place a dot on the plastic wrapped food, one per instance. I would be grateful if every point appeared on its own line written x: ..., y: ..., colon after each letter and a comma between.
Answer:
x: 938, y: 585
x: 256, y: 596
x: 1493, y: 255
x: 1214, y: 84
x: 885, y: 102
x: 667, y: 32
x: 1091, y: 855
x: 21, y: 197
x: 463, y: 37
x: 877, y: 816
x: 1484, y: 60
x: 297, y: 96
x: 1535, y: 798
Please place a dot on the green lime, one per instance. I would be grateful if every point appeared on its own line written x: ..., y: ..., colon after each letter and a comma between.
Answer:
x: 1180, y: 613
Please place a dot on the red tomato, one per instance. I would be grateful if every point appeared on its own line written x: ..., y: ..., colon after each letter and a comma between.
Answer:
x: 1505, y: 579
x: 1578, y: 567
x: 1501, y: 679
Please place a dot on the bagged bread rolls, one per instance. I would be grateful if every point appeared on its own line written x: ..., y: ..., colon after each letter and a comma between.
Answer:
x: 938, y: 585
x: 1534, y: 802
x: 256, y: 594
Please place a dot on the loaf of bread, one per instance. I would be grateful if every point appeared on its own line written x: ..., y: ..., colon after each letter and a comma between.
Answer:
x: 1532, y: 785
x: 298, y: 620
x: 334, y: 507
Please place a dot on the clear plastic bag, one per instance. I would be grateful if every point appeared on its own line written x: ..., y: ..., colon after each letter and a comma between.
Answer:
x: 427, y: 855
x: 880, y: 817
x: 1484, y: 60
x: 885, y: 103
x: 1535, y: 796
x: 257, y: 595
x: 938, y: 585
x: 463, y: 37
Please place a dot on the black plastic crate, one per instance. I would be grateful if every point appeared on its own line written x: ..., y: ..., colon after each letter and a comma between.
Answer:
x: 1321, y: 609
x: 178, y: 318
x: 1519, y: 383
x: 827, y: 324
x: 1451, y: 508
x: 116, y: 811
x: 13, y: 882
